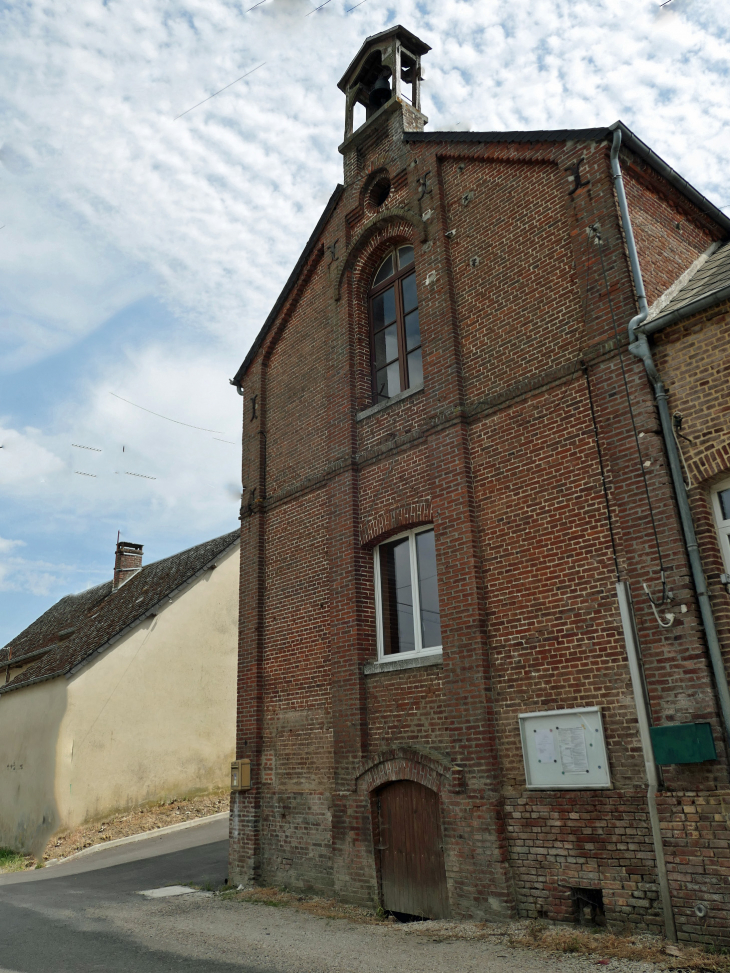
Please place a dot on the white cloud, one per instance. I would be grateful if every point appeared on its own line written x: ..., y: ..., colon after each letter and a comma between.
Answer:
x: 38, y: 577
x: 32, y: 576
x: 25, y: 462
x: 212, y: 208
x: 105, y: 197
x: 6, y: 545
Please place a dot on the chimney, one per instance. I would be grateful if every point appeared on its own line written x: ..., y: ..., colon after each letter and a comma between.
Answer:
x: 127, y: 562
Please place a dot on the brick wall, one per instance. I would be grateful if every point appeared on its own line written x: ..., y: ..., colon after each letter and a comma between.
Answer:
x: 696, y: 834
x: 559, y: 842
x: 498, y: 451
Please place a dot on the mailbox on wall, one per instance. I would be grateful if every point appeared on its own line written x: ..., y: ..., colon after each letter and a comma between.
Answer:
x: 564, y: 749
x: 241, y: 775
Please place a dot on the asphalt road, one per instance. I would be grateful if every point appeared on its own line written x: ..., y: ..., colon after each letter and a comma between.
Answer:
x: 49, y: 918
x: 86, y: 915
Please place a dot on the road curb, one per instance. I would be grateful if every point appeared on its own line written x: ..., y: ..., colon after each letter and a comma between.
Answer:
x: 183, y: 826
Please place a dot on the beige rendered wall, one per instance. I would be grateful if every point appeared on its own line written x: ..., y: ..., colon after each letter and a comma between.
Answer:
x: 152, y: 717
x: 29, y: 725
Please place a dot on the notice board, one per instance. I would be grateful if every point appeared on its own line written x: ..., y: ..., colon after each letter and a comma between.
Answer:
x: 564, y: 749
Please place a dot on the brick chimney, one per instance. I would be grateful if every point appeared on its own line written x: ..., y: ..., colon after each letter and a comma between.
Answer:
x: 127, y: 562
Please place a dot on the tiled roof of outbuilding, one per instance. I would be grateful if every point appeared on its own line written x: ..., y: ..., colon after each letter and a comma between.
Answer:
x: 77, y: 626
x: 711, y: 278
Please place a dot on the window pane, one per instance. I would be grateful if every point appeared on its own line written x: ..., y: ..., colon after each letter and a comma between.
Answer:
x: 386, y: 346
x: 396, y: 597
x: 388, y: 381
x: 415, y: 369
x: 384, y: 309
x: 413, y: 332
x: 428, y: 591
x: 725, y: 504
x: 385, y: 271
x: 405, y: 256
x: 410, y: 299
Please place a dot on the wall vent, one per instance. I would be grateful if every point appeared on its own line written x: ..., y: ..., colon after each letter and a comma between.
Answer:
x: 588, y: 906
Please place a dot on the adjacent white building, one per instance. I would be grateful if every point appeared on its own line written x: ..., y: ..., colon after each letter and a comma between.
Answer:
x: 122, y: 694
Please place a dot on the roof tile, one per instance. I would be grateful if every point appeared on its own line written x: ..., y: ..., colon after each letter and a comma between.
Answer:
x: 99, y: 614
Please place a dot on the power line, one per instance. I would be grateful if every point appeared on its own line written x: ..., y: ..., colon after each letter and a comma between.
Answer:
x: 356, y: 5
x: 317, y: 8
x: 93, y: 448
x: 160, y: 416
x: 220, y: 89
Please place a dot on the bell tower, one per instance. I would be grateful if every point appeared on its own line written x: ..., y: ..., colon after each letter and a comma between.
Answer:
x: 384, y: 79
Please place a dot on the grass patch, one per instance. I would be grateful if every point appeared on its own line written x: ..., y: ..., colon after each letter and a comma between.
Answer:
x: 311, y: 904
x: 13, y: 861
x: 643, y: 948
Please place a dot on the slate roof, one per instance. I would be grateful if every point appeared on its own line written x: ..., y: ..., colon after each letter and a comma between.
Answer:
x: 65, y: 637
x: 709, y: 282
x: 628, y: 139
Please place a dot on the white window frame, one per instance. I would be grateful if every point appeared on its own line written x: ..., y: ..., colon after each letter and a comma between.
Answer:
x: 419, y: 650
x: 722, y: 525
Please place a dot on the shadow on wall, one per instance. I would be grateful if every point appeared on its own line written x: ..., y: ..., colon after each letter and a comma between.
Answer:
x: 30, y: 721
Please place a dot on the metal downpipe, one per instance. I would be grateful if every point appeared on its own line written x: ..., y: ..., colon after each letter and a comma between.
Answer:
x: 642, y: 712
x: 622, y: 588
x: 639, y: 346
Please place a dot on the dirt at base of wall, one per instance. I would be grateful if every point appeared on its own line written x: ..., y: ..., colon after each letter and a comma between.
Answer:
x: 135, y: 821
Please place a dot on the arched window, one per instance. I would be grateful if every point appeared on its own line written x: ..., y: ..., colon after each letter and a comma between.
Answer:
x: 394, y: 331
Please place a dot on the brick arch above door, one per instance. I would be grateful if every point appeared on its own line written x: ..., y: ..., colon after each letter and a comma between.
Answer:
x: 404, y: 763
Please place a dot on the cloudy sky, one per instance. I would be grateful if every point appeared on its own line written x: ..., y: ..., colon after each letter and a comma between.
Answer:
x: 140, y: 251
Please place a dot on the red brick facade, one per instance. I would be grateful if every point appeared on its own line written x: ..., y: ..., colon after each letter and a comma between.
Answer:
x: 498, y: 452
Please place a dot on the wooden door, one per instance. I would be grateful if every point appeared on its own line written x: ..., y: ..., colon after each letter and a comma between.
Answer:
x: 412, y: 873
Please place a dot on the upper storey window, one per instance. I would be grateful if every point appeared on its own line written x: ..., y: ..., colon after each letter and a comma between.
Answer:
x: 395, y: 332
x: 721, y: 503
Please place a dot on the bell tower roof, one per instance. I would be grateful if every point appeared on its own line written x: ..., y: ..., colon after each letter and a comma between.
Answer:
x: 384, y: 77
x: 413, y: 45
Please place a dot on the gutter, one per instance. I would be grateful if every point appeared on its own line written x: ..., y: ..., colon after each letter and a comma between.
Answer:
x: 639, y: 346
x: 687, y: 310
x: 671, y: 175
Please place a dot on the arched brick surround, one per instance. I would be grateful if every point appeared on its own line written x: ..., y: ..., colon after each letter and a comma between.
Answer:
x: 387, y: 229
x: 403, y: 763
x: 393, y: 521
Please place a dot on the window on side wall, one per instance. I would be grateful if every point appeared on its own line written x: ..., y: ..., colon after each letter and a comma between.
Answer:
x: 721, y: 505
x: 395, y: 335
x: 406, y: 595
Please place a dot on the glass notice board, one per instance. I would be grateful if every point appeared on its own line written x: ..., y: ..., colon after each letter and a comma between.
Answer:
x: 564, y: 749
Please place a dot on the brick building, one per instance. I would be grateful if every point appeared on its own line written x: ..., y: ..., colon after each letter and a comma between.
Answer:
x: 456, y: 473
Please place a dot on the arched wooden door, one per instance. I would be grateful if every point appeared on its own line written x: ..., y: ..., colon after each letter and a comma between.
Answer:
x: 408, y: 842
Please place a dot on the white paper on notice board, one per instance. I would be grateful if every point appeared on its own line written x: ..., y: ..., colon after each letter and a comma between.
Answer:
x: 564, y: 749
x: 573, y: 753
x: 545, y: 746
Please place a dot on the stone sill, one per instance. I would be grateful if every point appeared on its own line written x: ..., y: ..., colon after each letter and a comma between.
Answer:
x: 415, y: 662
x: 379, y: 406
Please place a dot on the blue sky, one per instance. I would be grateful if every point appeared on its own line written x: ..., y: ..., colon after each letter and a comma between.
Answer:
x: 140, y: 253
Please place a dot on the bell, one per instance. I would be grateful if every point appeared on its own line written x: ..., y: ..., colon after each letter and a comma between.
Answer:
x: 380, y: 93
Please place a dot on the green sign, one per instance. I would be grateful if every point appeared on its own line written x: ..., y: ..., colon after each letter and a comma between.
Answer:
x: 683, y: 743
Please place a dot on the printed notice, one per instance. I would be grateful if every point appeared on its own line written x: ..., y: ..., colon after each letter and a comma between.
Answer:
x: 573, y: 752
x: 545, y: 746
